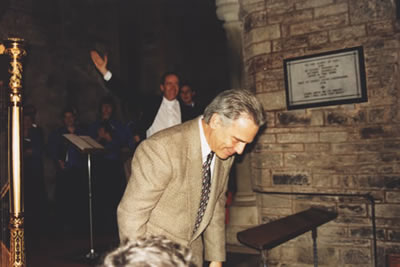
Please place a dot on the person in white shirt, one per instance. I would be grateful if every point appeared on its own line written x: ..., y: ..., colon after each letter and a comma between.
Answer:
x: 158, y: 112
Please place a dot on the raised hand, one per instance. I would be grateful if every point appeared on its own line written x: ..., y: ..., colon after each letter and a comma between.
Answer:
x: 99, y: 62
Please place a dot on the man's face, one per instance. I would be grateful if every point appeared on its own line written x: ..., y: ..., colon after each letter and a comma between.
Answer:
x: 170, y: 88
x: 186, y: 95
x: 28, y: 121
x: 226, y: 140
x: 106, y: 111
x: 69, y: 119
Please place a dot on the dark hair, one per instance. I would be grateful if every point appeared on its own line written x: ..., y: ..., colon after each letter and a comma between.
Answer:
x: 29, y: 110
x: 188, y: 84
x: 231, y: 104
x: 107, y: 100
x: 69, y: 109
x: 164, y: 76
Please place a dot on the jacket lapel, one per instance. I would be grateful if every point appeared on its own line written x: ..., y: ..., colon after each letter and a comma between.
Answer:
x: 193, y: 172
x: 216, y: 183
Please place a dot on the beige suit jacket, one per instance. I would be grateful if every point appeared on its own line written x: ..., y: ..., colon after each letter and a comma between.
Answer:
x: 163, y: 193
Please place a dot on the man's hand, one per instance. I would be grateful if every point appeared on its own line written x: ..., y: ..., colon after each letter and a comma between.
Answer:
x: 215, y: 264
x: 99, y: 62
x: 61, y: 163
x: 103, y: 134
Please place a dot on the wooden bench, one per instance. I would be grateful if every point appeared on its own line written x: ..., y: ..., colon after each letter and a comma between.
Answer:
x: 272, y: 234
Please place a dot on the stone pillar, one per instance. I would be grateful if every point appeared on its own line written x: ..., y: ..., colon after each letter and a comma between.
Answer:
x: 243, y: 211
x: 228, y: 11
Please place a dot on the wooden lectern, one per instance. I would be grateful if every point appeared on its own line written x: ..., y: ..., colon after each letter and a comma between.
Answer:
x: 87, y: 145
x: 272, y: 234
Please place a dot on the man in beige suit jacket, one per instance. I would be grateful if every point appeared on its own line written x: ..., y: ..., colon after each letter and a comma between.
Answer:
x: 163, y: 193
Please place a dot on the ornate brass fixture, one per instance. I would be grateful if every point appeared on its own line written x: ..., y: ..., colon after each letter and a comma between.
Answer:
x: 2, y: 49
x: 14, y: 47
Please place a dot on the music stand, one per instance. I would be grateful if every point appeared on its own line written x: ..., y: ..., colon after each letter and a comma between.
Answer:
x: 87, y: 145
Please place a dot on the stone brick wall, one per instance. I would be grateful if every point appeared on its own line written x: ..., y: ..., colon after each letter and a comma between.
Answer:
x: 345, y: 149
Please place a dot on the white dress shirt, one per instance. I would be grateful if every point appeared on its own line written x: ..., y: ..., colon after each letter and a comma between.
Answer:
x: 169, y: 114
x: 107, y: 76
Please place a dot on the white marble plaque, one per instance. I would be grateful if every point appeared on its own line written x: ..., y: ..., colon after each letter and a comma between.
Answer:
x: 325, y: 79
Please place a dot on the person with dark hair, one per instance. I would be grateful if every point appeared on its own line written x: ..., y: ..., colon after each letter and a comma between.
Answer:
x: 159, y: 112
x: 35, y: 191
x: 108, y: 130
x: 149, y: 251
x: 191, y: 108
x: 179, y: 177
x: 71, y: 174
x: 109, y: 179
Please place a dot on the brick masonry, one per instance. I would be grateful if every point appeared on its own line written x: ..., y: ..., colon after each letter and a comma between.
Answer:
x: 351, y: 149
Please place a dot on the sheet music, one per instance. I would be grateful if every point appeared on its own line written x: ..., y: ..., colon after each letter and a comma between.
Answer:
x: 91, y: 142
x: 84, y: 143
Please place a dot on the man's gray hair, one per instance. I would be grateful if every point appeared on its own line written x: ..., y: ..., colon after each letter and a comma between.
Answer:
x: 232, y: 104
x: 149, y: 251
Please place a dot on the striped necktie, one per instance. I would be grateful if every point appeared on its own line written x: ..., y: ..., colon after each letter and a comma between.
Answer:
x: 205, y: 190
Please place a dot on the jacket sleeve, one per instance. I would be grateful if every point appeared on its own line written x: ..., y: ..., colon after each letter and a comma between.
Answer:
x: 116, y: 86
x: 148, y: 104
x: 151, y: 172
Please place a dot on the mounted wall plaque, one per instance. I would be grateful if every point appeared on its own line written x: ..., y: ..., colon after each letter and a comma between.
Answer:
x: 330, y: 78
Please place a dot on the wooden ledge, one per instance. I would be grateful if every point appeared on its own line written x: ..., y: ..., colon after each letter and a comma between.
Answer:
x: 272, y: 234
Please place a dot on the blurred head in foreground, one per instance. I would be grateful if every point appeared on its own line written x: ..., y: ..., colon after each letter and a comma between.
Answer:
x: 150, y: 251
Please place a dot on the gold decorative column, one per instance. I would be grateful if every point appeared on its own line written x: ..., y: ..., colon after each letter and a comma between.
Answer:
x: 15, y: 49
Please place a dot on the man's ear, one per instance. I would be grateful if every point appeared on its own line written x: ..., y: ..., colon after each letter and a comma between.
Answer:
x: 215, y: 121
x: 162, y: 88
